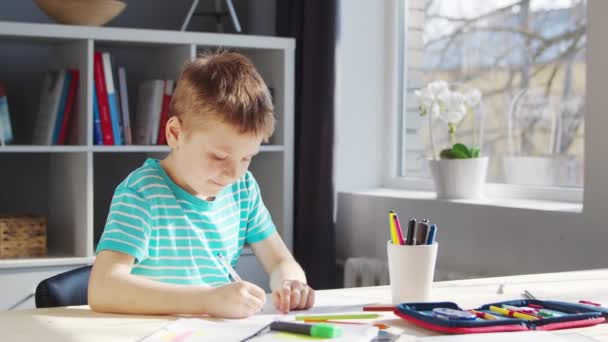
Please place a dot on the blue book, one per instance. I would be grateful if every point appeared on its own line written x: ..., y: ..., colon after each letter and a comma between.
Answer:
x: 112, y: 100
x: 116, y: 131
x: 61, y: 109
x: 97, y: 135
x: 6, y: 131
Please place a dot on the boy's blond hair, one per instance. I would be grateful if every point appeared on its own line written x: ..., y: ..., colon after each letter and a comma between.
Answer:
x: 226, y: 86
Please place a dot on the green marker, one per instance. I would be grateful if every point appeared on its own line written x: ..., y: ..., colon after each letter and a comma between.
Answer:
x: 321, y: 330
x: 339, y: 316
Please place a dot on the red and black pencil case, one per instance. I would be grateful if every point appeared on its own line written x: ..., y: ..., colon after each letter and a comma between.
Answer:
x: 566, y: 315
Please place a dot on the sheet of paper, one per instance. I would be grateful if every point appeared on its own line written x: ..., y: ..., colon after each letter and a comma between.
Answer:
x: 203, y: 330
x: 536, y: 336
x: 206, y: 330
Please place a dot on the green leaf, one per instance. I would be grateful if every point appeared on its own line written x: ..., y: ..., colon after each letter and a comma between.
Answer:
x: 462, y: 150
x: 450, y: 153
x: 474, y: 152
x: 458, y: 154
x: 446, y: 154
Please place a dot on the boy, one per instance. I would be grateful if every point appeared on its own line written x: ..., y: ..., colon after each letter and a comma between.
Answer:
x: 170, y: 219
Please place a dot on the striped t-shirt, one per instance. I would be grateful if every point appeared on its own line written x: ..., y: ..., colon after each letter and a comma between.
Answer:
x: 174, y: 236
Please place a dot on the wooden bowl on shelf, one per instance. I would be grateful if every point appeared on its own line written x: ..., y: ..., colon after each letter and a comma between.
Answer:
x: 81, y: 12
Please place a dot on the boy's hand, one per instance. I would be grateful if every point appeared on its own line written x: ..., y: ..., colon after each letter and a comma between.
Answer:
x: 236, y: 300
x: 293, y: 294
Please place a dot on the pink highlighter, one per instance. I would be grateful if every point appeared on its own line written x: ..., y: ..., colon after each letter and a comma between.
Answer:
x: 398, y: 229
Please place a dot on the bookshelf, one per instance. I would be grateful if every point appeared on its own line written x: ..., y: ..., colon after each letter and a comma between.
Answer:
x: 72, y: 184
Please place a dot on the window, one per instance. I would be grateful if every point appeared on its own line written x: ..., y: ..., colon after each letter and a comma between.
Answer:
x: 528, y: 59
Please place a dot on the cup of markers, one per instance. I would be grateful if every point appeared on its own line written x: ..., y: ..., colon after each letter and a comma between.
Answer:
x: 411, y: 259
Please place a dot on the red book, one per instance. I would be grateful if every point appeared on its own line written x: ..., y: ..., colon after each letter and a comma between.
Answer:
x: 164, y: 114
x: 69, y: 106
x: 102, y: 100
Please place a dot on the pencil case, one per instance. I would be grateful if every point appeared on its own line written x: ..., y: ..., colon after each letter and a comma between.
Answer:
x: 566, y: 316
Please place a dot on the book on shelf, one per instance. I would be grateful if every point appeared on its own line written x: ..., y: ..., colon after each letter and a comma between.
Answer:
x: 48, y: 105
x: 65, y: 113
x: 147, y: 116
x: 61, y: 108
x: 57, y: 99
x: 6, y: 130
x: 102, y: 99
x: 164, y: 113
x: 97, y: 133
x: 124, y: 105
x: 112, y: 99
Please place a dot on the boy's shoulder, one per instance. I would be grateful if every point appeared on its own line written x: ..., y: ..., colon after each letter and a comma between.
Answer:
x: 147, y: 175
x: 247, y: 179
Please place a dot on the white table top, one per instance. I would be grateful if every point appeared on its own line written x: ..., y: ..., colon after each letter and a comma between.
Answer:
x: 81, y: 324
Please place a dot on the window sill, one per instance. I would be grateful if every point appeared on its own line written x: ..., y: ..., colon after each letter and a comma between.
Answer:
x: 499, y: 202
x: 496, y: 191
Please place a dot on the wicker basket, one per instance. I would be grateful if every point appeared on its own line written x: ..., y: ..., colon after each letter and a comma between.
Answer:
x: 22, y: 236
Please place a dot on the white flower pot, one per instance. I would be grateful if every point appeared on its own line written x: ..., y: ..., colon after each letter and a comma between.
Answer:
x: 459, y: 178
x: 542, y: 171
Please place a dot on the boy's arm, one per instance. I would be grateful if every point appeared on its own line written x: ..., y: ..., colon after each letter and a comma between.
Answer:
x: 113, y: 289
x: 287, y: 279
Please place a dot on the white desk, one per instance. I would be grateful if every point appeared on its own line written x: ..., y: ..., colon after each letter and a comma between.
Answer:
x: 81, y: 324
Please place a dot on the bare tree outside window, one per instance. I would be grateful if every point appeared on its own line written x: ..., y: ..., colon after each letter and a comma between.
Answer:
x: 529, y: 59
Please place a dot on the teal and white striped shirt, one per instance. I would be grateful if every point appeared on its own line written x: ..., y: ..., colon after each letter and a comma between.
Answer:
x: 175, y: 236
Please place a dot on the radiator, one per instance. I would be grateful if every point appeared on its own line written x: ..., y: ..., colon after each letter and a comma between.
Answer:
x: 365, y: 272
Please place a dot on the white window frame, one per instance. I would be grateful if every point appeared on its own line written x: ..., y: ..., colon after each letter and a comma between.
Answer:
x: 396, y: 71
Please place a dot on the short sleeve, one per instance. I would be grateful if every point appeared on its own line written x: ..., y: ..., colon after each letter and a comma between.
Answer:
x: 259, y: 222
x: 127, y: 228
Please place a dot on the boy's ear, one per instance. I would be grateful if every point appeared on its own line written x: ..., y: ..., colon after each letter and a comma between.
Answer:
x: 174, y: 132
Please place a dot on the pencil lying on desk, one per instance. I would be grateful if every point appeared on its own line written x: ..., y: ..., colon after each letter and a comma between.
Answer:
x: 338, y: 316
x: 379, y: 307
x: 380, y: 326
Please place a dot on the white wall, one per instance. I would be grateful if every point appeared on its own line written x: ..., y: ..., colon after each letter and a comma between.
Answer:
x: 360, y: 104
x: 475, y: 239
x: 596, y: 125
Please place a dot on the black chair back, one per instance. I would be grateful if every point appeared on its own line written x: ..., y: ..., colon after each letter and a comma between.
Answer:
x: 65, y: 289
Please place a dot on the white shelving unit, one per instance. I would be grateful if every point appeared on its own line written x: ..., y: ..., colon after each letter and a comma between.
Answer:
x: 72, y: 185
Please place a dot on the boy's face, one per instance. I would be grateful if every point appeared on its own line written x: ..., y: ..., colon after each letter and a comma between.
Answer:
x: 209, y: 158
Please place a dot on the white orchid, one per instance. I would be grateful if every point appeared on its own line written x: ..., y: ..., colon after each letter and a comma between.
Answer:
x: 438, y: 100
x: 473, y: 98
x: 453, y: 107
x: 438, y: 88
x: 425, y: 97
x: 431, y: 94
